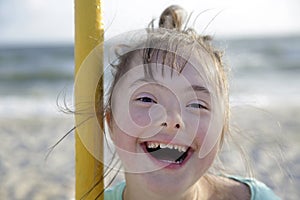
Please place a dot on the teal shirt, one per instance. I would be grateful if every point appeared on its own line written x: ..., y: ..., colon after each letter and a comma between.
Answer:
x: 115, y: 193
x: 259, y: 191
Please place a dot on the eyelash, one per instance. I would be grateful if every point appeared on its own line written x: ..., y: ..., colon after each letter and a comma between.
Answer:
x: 146, y: 100
x: 197, y: 106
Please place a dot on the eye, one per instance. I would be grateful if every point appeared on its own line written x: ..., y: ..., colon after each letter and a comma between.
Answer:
x: 146, y: 100
x: 197, y: 105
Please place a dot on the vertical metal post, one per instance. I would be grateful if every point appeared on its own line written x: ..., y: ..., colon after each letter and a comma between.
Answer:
x: 88, y: 34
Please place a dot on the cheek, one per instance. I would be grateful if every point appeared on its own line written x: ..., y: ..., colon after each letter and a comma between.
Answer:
x: 204, y: 125
x: 122, y: 140
x: 207, y: 161
x: 204, y: 131
x: 198, y: 127
x: 140, y: 116
x: 210, y: 136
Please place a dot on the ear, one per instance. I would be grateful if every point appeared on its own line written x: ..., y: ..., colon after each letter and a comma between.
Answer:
x: 108, y: 118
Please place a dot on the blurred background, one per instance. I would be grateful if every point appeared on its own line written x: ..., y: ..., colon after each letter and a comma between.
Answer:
x: 261, y: 40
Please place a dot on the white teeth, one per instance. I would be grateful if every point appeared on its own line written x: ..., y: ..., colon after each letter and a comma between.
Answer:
x: 154, y: 145
x: 182, y: 149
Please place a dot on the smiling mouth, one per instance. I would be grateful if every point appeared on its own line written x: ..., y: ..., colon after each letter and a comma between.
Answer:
x: 168, y: 153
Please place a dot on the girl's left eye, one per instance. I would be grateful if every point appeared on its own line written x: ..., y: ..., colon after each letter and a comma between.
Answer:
x: 197, y: 105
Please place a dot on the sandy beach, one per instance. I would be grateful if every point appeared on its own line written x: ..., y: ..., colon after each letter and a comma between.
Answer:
x: 269, y: 137
x: 24, y: 172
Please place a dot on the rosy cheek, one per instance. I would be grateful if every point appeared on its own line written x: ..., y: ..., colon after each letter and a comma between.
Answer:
x: 197, y: 128
x: 123, y: 142
x: 140, y: 116
x: 211, y: 138
x: 203, y: 128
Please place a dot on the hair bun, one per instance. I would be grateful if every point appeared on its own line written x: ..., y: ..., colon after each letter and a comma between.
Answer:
x: 172, y: 17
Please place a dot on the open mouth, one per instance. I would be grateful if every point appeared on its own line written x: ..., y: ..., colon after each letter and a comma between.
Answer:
x: 168, y: 153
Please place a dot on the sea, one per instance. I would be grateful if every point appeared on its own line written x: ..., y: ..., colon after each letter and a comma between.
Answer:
x: 32, y: 77
x: 264, y: 73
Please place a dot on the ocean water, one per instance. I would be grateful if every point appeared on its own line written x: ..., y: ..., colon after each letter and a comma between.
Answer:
x: 32, y: 77
x: 264, y: 73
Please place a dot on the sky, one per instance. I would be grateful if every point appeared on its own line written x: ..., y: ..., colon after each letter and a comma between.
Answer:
x: 52, y: 21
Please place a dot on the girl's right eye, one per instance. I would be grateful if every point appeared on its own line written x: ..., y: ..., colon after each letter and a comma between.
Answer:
x: 146, y: 100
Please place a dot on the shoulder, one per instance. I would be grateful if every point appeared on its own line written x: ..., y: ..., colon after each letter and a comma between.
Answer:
x: 258, y: 190
x: 225, y: 187
x: 115, y: 192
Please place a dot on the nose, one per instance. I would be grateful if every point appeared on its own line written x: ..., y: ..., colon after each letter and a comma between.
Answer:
x: 173, y: 121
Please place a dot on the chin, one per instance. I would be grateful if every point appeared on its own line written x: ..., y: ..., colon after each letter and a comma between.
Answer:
x: 164, y: 184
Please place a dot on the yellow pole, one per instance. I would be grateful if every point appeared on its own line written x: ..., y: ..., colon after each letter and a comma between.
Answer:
x: 88, y: 34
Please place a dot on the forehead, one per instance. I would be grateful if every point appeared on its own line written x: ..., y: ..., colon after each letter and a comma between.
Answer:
x: 179, y: 83
x: 168, y: 66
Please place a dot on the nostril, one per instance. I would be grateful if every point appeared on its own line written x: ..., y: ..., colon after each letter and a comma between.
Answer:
x: 164, y: 124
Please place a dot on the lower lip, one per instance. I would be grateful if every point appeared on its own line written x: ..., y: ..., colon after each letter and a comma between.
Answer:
x: 165, y: 164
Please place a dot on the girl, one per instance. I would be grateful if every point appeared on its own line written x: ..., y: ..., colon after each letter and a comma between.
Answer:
x: 168, y: 114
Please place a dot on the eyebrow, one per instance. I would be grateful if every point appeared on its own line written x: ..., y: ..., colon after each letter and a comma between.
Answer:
x: 196, y: 88
x: 143, y: 80
x: 199, y: 88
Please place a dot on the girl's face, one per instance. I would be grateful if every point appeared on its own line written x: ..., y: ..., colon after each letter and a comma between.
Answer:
x: 166, y: 128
